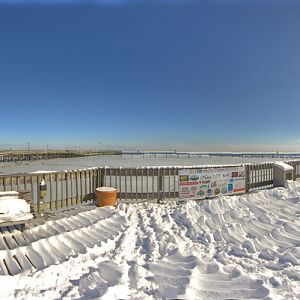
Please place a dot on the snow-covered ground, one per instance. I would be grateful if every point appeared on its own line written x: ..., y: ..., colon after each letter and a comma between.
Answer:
x: 240, y: 247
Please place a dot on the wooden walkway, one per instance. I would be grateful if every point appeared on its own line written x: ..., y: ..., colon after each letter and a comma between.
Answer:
x: 55, y: 238
x: 11, y: 238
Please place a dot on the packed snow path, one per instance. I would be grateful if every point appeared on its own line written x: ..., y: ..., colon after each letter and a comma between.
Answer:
x: 241, y: 247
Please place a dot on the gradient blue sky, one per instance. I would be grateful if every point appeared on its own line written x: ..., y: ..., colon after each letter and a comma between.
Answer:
x: 186, y: 75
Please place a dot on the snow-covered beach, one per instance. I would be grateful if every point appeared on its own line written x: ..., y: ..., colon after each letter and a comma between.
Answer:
x: 232, y: 247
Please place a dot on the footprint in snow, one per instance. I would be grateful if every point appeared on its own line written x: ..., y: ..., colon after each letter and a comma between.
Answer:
x: 97, y: 282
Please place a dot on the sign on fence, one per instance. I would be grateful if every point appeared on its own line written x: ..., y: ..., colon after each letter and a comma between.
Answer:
x: 202, y: 183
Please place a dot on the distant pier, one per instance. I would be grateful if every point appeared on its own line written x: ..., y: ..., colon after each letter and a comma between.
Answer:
x: 169, y: 154
x: 20, y: 155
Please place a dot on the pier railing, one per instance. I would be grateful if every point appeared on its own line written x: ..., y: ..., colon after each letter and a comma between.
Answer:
x: 73, y: 187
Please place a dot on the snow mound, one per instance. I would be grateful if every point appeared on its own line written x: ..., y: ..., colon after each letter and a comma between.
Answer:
x: 12, y: 208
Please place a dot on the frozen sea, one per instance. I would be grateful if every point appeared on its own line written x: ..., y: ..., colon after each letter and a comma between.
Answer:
x: 121, y: 161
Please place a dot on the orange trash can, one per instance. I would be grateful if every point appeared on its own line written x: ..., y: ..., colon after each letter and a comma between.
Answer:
x: 106, y: 196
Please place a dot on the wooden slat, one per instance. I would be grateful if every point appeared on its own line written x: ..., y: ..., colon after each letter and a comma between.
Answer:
x: 136, y: 185
x: 85, y: 182
x: 109, y: 173
x: 81, y: 185
x: 163, y: 183
x: 17, y: 183
x: 38, y: 194
x: 120, y: 180
x: 56, y: 191
x: 142, y: 183
x: 174, y: 182
x: 147, y: 180
x: 62, y: 190
x: 67, y: 188
x: 90, y: 181
x: 125, y: 186
x: 73, y: 201
x: 153, y: 195
x: 131, y: 185
x: 50, y: 192
x: 77, y: 186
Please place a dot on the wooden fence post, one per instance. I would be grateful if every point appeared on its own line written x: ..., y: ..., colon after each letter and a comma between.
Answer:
x: 38, y: 194
x: 159, y: 185
x: 247, y: 177
x: 102, y: 178
x: 295, y: 170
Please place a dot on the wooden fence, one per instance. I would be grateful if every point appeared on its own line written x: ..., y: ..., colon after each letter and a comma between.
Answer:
x: 73, y: 187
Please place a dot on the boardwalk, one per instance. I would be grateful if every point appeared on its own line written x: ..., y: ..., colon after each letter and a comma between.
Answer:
x: 56, y: 238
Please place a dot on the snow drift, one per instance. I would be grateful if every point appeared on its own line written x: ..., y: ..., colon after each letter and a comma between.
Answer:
x: 12, y: 208
x: 241, y: 247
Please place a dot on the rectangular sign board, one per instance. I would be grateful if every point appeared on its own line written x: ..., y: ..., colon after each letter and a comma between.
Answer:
x: 202, y: 183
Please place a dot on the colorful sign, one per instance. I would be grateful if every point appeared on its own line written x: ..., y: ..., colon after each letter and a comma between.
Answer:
x: 202, y: 183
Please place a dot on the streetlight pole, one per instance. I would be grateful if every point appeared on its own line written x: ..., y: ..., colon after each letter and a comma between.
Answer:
x: 99, y: 147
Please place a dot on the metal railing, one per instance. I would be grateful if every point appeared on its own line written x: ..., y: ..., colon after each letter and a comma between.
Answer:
x: 73, y: 187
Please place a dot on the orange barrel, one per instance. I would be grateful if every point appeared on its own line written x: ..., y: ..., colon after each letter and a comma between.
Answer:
x: 106, y: 196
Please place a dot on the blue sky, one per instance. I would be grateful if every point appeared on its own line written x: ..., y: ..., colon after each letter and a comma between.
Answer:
x: 186, y: 75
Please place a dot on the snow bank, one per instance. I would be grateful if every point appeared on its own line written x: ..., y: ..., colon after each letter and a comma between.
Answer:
x: 9, y: 193
x: 12, y: 208
x: 283, y: 166
x: 241, y: 247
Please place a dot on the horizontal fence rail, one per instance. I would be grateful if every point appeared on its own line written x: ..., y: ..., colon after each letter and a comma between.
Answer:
x: 73, y: 187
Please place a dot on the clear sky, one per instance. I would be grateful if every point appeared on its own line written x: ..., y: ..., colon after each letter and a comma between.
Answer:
x: 188, y: 75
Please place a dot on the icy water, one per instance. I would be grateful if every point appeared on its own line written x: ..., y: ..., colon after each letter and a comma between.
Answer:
x: 120, y: 161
